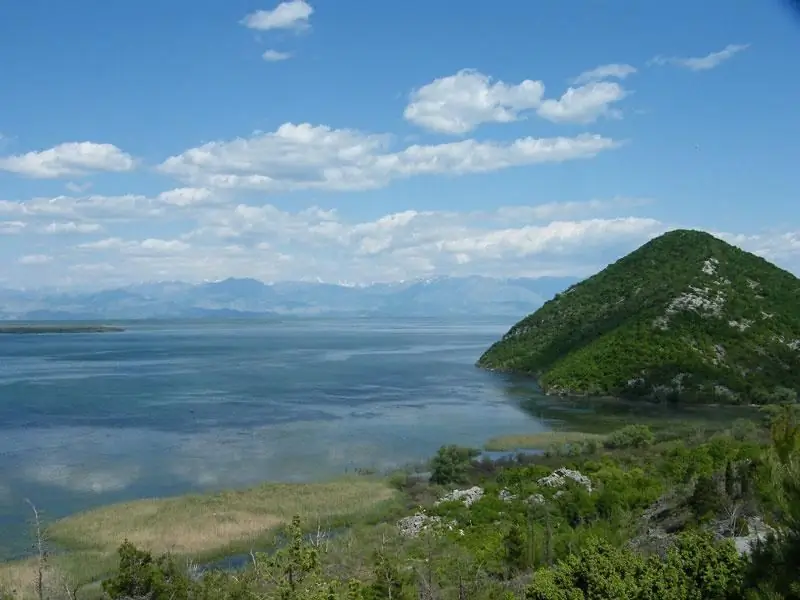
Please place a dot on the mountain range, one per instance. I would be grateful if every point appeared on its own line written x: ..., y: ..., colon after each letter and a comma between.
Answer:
x: 244, y: 297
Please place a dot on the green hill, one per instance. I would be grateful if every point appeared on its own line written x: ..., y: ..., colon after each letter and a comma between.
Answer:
x: 686, y: 316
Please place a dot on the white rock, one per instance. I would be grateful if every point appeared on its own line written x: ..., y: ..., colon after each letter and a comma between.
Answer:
x: 469, y: 497
x: 559, y: 477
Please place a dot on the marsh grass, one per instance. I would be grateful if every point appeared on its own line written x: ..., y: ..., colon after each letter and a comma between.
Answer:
x: 539, y: 440
x: 196, y: 526
x: 201, y: 523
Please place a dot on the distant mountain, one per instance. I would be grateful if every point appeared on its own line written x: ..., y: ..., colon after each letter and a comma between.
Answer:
x: 233, y: 297
x: 686, y: 316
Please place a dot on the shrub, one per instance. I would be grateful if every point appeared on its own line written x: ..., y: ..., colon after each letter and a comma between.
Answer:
x: 451, y: 465
x: 631, y: 436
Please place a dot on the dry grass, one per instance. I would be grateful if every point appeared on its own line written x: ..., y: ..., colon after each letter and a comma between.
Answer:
x: 62, y: 572
x: 539, y: 440
x: 200, y: 524
x: 192, y: 525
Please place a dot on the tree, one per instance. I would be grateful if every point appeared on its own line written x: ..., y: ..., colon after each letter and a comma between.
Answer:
x: 514, y: 550
x: 451, y: 465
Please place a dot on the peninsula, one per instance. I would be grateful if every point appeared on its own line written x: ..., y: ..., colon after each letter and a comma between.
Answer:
x: 684, y: 317
x: 31, y: 328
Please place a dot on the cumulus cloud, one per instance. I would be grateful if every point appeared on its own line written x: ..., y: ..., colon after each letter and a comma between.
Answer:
x: 261, y: 240
x: 305, y: 156
x: 35, y: 259
x: 276, y: 56
x: 186, y: 196
x: 293, y: 14
x: 91, y: 208
x: 75, y: 158
x: 11, y: 227
x: 458, y: 103
x: 613, y: 70
x: 71, y: 227
x: 149, y: 246
x: 214, y: 240
x: 702, y: 63
x: 584, y: 104
x: 776, y: 246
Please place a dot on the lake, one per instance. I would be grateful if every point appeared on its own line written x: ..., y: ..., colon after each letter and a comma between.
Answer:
x: 162, y: 409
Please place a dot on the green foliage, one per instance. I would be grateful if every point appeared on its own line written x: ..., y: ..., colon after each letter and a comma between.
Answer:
x: 142, y: 576
x: 514, y: 550
x: 706, y: 500
x: 695, y: 568
x: 451, y: 465
x: 631, y: 436
x: 540, y: 541
x: 387, y: 585
x: 664, y: 323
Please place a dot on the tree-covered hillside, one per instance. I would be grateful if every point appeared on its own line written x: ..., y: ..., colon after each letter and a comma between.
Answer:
x: 686, y: 316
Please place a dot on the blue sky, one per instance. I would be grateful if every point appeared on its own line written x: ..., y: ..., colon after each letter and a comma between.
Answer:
x: 355, y: 141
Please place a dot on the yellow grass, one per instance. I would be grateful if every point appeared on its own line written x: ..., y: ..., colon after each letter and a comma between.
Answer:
x: 192, y: 525
x: 198, y: 524
x: 539, y: 440
x: 61, y: 571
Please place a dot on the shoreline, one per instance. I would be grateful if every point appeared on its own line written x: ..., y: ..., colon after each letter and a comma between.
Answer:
x: 38, y: 329
x: 215, y: 527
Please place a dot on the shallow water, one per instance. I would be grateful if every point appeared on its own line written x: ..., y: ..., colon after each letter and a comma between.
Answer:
x: 88, y: 419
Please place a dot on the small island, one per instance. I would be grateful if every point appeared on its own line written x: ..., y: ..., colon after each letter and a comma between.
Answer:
x: 31, y: 328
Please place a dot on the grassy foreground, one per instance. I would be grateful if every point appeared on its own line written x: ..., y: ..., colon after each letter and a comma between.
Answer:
x: 195, y: 526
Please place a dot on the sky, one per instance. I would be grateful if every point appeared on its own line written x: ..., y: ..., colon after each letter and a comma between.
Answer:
x: 352, y: 141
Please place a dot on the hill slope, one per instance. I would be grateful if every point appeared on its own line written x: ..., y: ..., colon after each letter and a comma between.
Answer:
x: 684, y: 316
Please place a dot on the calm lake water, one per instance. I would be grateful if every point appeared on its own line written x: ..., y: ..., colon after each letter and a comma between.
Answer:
x: 88, y: 419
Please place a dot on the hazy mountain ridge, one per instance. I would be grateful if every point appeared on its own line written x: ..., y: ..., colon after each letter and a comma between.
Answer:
x: 249, y: 297
x: 685, y: 316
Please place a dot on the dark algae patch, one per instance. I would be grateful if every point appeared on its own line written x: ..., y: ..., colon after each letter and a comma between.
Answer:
x: 685, y: 317
x: 47, y: 328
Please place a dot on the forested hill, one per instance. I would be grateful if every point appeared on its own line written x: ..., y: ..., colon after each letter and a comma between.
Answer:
x: 685, y: 316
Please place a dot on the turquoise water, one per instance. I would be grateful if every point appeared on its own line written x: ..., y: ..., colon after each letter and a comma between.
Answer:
x: 88, y: 419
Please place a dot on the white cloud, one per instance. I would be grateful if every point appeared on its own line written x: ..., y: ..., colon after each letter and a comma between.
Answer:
x: 213, y: 240
x: 71, y: 227
x: 87, y: 207
x: 276, y: 56
x: 305, y: 156
x: 773, y: 246
x: 584, y: 104
x: 459, y: 103
x: 78, y: 188
x: 11, y: 227
x: 293, y: 14
x: 73, y: 158
x: 272, y: 244
x: 35, y: 259
x: 615, y: 70
x: 186, y: 196
x: 149, y: 246
x: 702, y: 63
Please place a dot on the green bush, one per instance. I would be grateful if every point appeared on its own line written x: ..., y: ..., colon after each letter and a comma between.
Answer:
x: 451, y: 465
x: 631, y: 436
